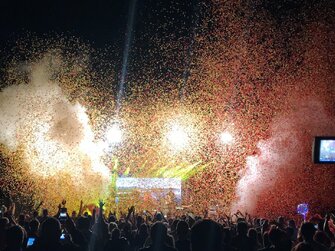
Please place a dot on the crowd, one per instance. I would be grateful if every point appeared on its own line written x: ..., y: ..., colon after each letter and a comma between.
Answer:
x: 154, y: 232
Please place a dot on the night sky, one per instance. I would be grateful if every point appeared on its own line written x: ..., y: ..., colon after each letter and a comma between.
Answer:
x: 102, y: 23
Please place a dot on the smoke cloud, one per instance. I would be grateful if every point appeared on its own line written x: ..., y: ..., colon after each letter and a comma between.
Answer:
x: 53, y: 133
x: 285, y: 154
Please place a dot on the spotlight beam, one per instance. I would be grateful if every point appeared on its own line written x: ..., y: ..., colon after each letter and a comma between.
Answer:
x: 126, y: 50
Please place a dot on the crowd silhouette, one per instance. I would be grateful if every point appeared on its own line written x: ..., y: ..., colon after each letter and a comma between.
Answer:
x: 134, y: 231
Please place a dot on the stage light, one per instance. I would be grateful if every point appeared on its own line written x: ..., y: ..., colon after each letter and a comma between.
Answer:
x: 178, y: 137
x: 226, y: 138
x: 114, y: 134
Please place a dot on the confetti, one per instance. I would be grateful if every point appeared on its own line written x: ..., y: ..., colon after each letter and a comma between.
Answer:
x: 262, y: 80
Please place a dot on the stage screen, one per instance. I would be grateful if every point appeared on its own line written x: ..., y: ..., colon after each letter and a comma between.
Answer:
x: 164, y: 185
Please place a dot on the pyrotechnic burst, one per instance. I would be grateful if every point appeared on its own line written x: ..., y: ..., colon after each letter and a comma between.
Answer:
x: 54, y: 135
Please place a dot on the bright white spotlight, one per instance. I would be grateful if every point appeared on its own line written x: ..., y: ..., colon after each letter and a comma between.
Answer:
x: 226, y: 138
x: 178, y: 137
x: 114, y: 134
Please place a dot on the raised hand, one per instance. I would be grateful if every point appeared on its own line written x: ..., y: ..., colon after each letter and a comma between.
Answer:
x: 131, y: 210
x: 101, y: 203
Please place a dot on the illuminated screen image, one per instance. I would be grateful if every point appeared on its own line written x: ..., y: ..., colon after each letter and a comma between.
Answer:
x: 30, y: 241
x: 327, y: 150
x: 164, y: 185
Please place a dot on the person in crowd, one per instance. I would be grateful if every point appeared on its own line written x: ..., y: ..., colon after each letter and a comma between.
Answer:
x: 206, y: 235
x: 14, y: 238
x: 253, y: 236
x: 140, y: 237
x: 323, y: 238
x: 294, y: 235
x: 83, y: 226
x: 34, y: 225
x: 111, y: 227
x: 116, y: 243
x: 76, y: 236
x: 227, y: 237
x: 45, y: 215
x: 278, y: 240
x: 22, y: 221
x: 307, y: 232
x: 281, y: 223
x: 158, y: 235
x: 183, y: 243
x: 266, y: 241
x: 241, y: 242
x: 173, y: 231
x: 4, y: 222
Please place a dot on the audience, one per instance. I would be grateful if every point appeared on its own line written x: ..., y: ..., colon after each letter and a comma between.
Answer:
x: 146, y: 232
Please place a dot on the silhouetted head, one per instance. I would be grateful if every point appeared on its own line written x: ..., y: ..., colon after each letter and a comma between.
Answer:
x: 307, y: 231
x: 111, y: 227
x: 281, y: 221
x: 158, y: 232
x: 4, y: 222
x: 34, y: 225
x: 15, y: 236
x: 242, y: 228
x: 50, y: 230
x: 206, y: 235
x: 139, y: 220
x: 158, y: 217
x: 291, y: 223
x: 83, y: 223
x: 182, y: 229
x: 275, y: 236
x: 116, y: 234
x: 322, y: 238
x: 252, y: 234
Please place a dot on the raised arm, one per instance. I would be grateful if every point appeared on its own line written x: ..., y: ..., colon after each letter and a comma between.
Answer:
x: 80, y: 208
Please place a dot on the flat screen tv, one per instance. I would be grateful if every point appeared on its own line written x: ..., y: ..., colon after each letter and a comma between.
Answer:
x: 324, y: 150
